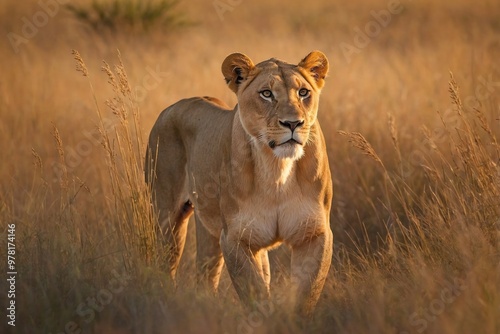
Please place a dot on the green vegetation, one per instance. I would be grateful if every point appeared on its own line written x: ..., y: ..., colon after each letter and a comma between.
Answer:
x: 129, y: 14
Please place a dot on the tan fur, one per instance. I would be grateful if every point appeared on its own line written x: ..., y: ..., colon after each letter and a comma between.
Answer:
x: 249, y: 188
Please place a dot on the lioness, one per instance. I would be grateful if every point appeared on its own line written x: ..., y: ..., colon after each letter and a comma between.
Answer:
x: 255, y: 176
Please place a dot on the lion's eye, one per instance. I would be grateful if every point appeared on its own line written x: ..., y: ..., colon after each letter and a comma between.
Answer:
x: 266, y: 94
x: 304, y: 92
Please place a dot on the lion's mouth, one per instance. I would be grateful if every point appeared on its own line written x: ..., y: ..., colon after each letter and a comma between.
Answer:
x: 291, y: 142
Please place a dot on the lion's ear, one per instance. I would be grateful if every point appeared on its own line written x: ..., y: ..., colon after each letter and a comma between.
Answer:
x: 316, y: 64
x: 235, y: 69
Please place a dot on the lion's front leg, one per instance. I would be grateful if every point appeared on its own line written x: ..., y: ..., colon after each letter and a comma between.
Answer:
x: 311, y: 261
x: 245, y: 268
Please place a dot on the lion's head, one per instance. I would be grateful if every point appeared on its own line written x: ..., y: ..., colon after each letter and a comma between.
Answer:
x: 278, y: 102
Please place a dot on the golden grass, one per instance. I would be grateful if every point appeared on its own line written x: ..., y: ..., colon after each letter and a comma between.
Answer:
x: 416, y: 223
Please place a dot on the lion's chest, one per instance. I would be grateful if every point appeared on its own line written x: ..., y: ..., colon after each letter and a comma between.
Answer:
x: 288, y: 220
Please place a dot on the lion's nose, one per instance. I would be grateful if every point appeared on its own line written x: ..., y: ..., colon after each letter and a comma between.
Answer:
x: 292, y: 125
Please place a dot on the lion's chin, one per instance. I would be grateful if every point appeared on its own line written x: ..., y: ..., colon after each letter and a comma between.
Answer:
x: 289, y: 150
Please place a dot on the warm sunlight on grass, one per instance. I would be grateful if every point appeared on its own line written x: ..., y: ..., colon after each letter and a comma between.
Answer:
x: 411, y: 115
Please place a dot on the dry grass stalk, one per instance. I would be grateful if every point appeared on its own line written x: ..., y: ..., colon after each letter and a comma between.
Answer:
x: 38, y: 159
x: 394, y: 134
x: 64, y: 180
x: 80, y: 64
x: 357, y: 140
x: 453, y: 89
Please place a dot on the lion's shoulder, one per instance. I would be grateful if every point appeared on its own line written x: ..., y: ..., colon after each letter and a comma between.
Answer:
x: 216, y: 101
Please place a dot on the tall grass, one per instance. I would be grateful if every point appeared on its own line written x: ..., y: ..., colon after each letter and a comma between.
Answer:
x: 440, y: 253
x: 436, y: 263
x: 78, y: 260
x: 125, y: 149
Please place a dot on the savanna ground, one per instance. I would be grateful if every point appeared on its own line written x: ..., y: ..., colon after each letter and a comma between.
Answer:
x: 413, y: 152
